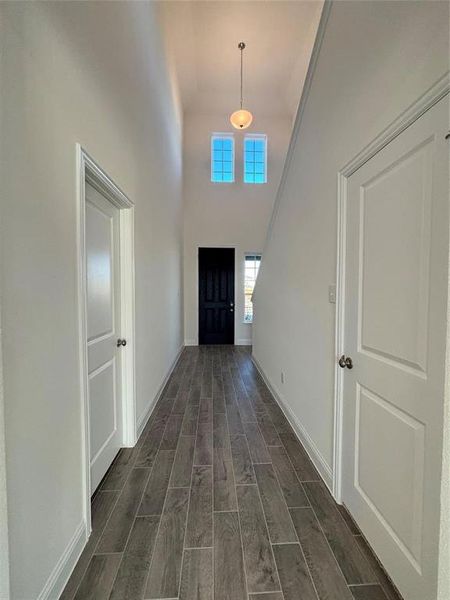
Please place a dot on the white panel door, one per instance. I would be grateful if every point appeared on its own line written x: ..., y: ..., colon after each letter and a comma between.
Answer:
x: 103, y: 327
x: 395, y: 324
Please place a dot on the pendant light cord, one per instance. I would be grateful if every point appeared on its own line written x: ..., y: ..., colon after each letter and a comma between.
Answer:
x: 242, y: 63
x: 241, y: 119
x: 241, y: 47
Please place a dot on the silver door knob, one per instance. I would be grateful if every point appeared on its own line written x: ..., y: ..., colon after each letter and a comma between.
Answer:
x: 345, y: 361
x: 121, y: 343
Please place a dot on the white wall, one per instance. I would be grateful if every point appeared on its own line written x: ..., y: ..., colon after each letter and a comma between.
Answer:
x: 218, y: 214
x: 4, y: 545
x: 93, y: 73
x: 376, y: 59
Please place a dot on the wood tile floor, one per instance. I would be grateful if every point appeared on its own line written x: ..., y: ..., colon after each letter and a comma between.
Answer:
x: 219, y: 501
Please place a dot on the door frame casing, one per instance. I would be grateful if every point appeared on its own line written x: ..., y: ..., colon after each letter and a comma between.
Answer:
x: 88, y: 171
x: 440, y: 89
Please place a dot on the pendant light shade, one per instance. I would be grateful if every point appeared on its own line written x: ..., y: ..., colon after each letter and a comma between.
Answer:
x: 241, y: 119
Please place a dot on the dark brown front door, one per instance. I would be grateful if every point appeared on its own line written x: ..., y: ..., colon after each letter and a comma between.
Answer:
x: 216, y: 295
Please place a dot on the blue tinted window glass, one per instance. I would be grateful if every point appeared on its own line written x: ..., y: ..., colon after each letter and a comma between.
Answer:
x: 255, y: 160
x: 222, y: 159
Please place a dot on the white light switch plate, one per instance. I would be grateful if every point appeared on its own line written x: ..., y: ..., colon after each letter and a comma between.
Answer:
x: 332, y: 294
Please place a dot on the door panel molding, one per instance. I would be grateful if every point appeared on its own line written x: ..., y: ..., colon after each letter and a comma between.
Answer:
x: 435, y: 93
x: 88, y: 171
x: 410, y: 441
x: 403, y: 345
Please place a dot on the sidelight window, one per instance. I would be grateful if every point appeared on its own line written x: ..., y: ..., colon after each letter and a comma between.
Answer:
x: 252, y: 262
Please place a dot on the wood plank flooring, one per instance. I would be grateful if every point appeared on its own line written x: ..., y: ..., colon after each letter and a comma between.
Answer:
x: 219, y: 500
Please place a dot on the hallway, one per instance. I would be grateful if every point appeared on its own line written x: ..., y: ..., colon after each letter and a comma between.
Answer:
x: 218, y: 500
x: 225, y: 292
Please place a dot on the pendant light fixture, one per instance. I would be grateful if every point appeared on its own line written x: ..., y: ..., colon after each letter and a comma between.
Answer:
x: 241, y: 118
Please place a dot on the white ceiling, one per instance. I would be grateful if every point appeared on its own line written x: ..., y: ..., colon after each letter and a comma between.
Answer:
x: 202, y: 39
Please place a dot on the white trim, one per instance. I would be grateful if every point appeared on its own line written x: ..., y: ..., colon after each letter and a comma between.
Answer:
x: 437, y: 91
x: 190, y: 342
x: 89, y: 171
x: 127, y: 303
x: 339, y: 336
x: 142, y: 420
x: 303, y: 436
x: 59, y: 577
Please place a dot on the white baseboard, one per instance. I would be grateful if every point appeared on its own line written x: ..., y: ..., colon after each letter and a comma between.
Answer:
x: 56, y: 583
x: 243, y: 342
x: 65, y: 565
x: 305, y: 439
x: 142, y: 421
x: 190, y: 342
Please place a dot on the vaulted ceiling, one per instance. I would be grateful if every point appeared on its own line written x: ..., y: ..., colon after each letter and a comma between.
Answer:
x: 202, y: 39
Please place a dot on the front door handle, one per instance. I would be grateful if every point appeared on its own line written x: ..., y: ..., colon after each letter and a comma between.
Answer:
x: 345, y: 361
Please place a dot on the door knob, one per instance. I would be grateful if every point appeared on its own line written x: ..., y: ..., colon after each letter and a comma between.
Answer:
x: 121, y: 343
x: 345, y: 361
